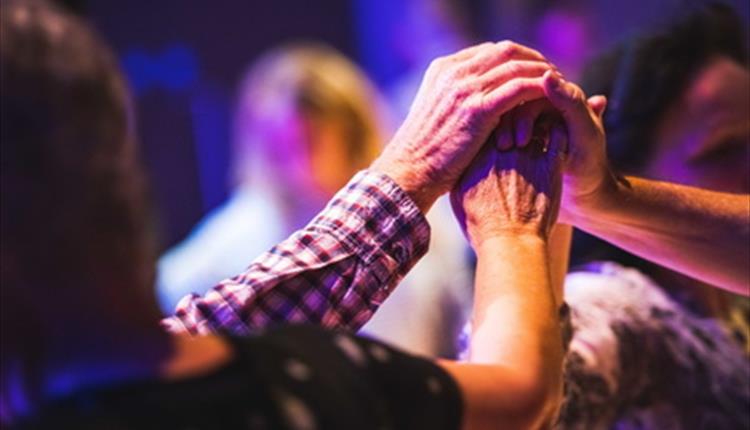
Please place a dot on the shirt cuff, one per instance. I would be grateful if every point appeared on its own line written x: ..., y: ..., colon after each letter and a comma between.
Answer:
x: 374, y: 216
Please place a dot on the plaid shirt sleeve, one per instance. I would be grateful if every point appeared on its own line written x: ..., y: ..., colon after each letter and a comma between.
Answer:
x: 335, y: 272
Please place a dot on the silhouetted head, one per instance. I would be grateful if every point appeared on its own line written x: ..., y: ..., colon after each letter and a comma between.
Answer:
x: 679, y: 101
x: 74, y: 230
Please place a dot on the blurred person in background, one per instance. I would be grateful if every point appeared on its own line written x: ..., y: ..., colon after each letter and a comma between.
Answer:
x: 307, y: 120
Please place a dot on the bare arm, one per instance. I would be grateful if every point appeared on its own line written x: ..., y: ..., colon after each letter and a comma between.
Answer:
x: 515, y: 377
x: 507, y: 204
x: 700, y: 233
x: 696, y: 232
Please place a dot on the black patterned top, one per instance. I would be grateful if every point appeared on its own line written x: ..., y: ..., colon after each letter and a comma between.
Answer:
x: 297, y: 378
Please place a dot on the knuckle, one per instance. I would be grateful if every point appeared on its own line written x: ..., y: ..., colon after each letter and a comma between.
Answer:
x: 461, y: 93
x: 513, y: 67
x: 456, y: 69
x: 485, y: 46
x: 450, y: 79
x: 489, y: 48
x: 472, y: 74
x: 477, y: 106
x: 515, y: 86
x: 508, y: 48
x: 436, y: 64
x: 443, y: 60
x: 504, y: 43
x: 578, y: 97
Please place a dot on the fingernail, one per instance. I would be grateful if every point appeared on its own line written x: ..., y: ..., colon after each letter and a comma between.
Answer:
x: 554, y: 79
x: 557, y: 71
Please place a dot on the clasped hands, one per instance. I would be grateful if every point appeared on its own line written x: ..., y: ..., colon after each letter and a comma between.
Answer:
x: 499, y: 126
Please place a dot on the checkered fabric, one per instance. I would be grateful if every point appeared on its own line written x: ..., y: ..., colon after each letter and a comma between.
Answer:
x: 335, y: 272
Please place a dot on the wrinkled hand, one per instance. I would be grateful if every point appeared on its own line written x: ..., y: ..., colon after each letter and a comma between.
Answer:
x: 515, y: 192
x: 459, y: 103
x: 587, y: 173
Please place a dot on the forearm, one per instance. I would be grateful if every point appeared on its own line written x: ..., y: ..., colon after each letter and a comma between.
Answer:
x: 513, y: 300
x: 335, y: 272
x: 700, y: 233
x: 559, y: 258
x: 516, y: 337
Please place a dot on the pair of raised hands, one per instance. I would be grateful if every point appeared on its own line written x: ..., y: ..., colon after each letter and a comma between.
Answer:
x: 498, y: 125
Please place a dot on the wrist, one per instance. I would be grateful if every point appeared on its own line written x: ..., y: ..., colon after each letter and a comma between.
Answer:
x: 408, y: 180
x: 487, y: 242
x: 592, y: 202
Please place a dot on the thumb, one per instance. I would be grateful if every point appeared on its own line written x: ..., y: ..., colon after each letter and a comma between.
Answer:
x: 598, y: 104
x: 563, y: 95
x: 569, y: 99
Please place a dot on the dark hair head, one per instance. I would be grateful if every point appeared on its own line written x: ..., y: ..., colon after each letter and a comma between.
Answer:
x: 73, y: 207
x: 642, y: 79
x: 644, y: 76
x: 316, y: 81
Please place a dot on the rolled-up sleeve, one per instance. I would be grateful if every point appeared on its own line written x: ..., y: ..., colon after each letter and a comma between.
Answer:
x: 335, y: 272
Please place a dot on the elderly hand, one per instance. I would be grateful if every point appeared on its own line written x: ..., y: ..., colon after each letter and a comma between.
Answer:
x: 459, y: 103
x: 512, y: 193
x: 587, y: 174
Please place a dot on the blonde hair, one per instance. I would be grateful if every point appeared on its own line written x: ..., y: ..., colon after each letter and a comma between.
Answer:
x: 318, y: 81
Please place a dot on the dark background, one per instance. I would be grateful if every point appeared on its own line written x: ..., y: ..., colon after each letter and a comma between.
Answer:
x: 184, y: 59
